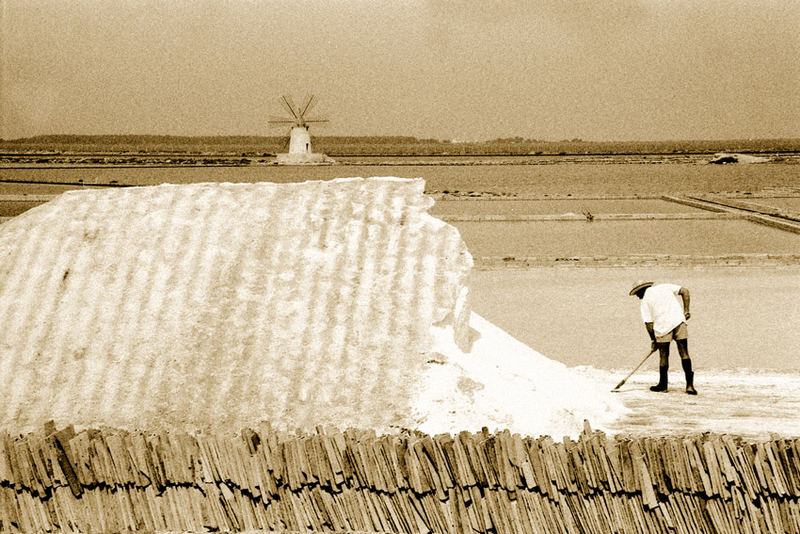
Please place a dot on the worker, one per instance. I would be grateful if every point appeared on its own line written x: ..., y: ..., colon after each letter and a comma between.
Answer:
x: 665, y: 310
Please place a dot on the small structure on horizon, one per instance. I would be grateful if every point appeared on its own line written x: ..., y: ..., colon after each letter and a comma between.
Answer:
x: 722, y: 158
x: 299, y: 141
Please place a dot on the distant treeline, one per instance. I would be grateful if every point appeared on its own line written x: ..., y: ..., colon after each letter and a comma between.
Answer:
x: 383, y: 145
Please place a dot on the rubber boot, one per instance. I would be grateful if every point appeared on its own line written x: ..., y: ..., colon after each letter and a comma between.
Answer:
x: 662, y: 379
x: 687, y: 370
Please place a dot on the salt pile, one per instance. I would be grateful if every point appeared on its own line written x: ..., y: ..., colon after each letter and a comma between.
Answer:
x: 221, y: 305
x: 501, y: 383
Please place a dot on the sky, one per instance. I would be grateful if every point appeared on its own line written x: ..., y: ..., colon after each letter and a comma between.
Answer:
x: 601, y: 70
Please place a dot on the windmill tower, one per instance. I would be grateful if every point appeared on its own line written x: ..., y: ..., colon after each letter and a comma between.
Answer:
x: 299, y: 139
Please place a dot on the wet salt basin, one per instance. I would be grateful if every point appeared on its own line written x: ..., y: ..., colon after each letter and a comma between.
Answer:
x: 617, y: 238
x: 742, y: 339
x: 557, y: 206
x: 785, y: 203
x: 586, y: 179
x: 742, y: 317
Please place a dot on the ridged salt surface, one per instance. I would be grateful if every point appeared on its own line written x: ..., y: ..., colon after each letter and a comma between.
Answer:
x: 221, y: 305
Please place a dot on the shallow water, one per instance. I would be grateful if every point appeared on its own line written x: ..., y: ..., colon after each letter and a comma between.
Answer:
x: 788, y: 204
x: 576, y: 179
x: 618, y: 238
x: 557, y: 207
x: 742, y: 317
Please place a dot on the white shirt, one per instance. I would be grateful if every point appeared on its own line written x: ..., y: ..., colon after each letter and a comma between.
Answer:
x: 663, y: 307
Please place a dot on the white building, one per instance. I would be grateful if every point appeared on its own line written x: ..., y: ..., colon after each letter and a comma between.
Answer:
x: 300, y: 152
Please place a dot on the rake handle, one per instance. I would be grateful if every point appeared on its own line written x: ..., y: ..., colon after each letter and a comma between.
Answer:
x: 635, y: 369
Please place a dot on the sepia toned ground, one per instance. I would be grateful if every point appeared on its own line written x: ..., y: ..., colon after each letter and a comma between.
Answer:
x: 742, y: 338
x: 571, y: 303
x: 557, y: 280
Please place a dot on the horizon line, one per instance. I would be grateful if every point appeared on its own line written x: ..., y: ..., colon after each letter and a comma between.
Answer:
x: 454, y: 140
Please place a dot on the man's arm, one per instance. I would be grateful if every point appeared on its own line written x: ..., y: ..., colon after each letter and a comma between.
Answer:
x: 652, y: 334
x: 684, y: 293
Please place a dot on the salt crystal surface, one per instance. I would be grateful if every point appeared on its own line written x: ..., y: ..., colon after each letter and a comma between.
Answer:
x: 221, y: 305
x: 501, y: 383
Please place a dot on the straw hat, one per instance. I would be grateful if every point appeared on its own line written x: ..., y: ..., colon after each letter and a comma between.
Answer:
x: 640, y: 284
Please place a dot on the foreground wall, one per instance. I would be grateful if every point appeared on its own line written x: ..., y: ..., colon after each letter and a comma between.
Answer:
x: 112, y: 480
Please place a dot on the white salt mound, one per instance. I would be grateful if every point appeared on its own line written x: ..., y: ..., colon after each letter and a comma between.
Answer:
x: 222, y: 305
x: 504, y: 384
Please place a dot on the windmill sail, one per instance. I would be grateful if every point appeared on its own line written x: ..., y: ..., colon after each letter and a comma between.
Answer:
x: 299, y: 139
x: 310, y: 102
x: 289, y: 105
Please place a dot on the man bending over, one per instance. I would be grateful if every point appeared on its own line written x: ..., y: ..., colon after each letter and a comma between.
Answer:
x: 665, y: 310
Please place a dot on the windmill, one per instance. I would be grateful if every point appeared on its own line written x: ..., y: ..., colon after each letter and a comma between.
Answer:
x: 299, y: 139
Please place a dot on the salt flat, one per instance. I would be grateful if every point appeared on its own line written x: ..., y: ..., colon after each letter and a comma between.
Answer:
x: 751, y: 403
x: 742, y: 338
x: 742, y: 335
x: 742, y: 316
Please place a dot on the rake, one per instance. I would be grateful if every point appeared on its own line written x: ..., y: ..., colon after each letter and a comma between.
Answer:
x: 635, y: 369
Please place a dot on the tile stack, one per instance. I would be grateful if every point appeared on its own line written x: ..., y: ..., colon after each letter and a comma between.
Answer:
x: 111, y: 480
